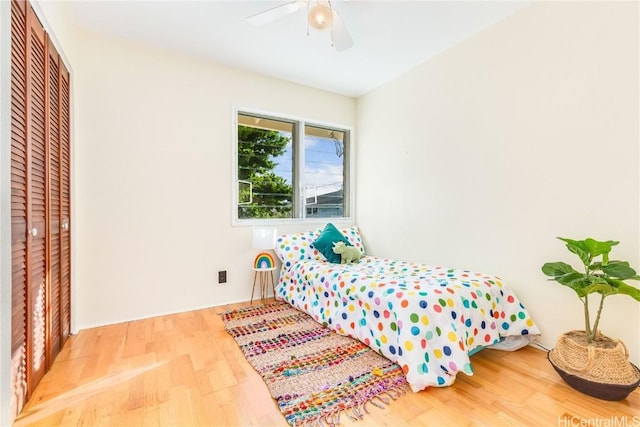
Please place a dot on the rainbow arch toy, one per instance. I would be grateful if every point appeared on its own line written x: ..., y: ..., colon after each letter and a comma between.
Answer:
x: 264, y: 260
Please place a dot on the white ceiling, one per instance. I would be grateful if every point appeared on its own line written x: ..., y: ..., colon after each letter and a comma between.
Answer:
x: 390, y: 37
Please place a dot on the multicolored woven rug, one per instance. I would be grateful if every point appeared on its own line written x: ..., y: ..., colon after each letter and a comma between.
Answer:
x: 314, y: 374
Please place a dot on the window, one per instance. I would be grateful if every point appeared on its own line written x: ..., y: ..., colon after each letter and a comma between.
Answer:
x: 290, y: 169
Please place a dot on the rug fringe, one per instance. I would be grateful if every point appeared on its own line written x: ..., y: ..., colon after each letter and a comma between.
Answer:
x: 374, y: 403
x: 379, y: 399
x: 354, y: 413
x: 351, y: 418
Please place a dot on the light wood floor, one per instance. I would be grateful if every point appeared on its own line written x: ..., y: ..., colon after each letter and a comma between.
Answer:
x: 185, y: 370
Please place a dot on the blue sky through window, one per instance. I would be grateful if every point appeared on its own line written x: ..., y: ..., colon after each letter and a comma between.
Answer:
x: 323, y: 168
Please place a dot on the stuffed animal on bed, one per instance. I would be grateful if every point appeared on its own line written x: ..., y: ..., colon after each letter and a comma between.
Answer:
x: 347, y: 254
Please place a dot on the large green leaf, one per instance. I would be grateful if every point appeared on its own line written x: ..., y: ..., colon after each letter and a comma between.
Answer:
x: 558, y: 268
x: 579, y: 248
x: 578, y: 243
x: 596, y: 247
x: 576, y: 281
x: 618, y: 270
x: 584, y: 287
x: 572, y: 279
x: 619, y: 287
x: 601, y: 288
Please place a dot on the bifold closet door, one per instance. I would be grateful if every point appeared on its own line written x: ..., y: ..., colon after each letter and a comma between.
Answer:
x: 53, y: 248
x: 30, y: 166
x: 65, y: 201
x: 58, y: 285
x: 36, y: 199
x: 40, y: 202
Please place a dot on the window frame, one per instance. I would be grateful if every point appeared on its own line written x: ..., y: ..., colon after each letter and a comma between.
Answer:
x: 298, y: 203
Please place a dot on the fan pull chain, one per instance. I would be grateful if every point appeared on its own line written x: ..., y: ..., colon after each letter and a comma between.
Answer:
x: 332, y: 21
x: 308, y: 17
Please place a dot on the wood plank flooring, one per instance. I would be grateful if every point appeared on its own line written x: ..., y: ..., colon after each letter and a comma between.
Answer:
x: 185, y: 370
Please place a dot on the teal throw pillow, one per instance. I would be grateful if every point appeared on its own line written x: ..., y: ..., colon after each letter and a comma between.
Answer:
x: 324, y: 242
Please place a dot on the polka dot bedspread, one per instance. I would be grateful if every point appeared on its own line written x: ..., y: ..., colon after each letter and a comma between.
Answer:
x: 428, y: 319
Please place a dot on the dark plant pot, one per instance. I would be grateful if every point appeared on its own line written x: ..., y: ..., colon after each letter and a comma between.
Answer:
x: 600, y: 390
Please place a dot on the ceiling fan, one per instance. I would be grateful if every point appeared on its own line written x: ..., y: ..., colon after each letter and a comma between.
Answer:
x: 320, y: 15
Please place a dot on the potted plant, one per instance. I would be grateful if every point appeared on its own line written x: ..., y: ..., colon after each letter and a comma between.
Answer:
x: 586, y: 359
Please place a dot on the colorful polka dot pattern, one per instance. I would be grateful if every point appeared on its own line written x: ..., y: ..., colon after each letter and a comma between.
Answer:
x: 295, y: 247
x: 427, y: 319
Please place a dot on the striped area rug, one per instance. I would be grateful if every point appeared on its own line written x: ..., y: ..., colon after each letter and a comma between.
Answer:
x: 315, y: 375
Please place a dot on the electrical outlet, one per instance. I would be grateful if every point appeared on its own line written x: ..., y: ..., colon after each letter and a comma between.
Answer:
x: 222, y: 276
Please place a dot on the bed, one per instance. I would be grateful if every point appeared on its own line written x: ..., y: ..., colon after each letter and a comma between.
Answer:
x: 428, y: 319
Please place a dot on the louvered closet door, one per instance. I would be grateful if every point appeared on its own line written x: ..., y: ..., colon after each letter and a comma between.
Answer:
x: 54, y: 290
x: 65, y: 201
x: 28, y: 194
x: 36, y: 200
x: 40, y: 202
x: 58, y: 248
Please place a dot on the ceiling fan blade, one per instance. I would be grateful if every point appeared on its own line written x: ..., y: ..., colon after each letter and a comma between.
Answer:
x: 277, y: 12
x: 341, y: 38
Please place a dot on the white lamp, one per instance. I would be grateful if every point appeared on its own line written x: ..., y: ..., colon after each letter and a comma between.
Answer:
x: 264, y: 238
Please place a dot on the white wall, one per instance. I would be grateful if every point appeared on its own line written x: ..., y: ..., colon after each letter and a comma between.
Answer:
x: 481, y: 156
x: 152, y: 176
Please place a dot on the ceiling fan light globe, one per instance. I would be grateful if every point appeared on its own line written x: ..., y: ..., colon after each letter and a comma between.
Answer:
x: 320, y: 17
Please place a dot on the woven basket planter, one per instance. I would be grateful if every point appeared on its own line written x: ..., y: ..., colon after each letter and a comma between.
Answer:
x: 601, y: 369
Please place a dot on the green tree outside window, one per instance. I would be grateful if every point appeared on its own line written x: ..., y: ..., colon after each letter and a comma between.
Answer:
x: 268, y: 195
